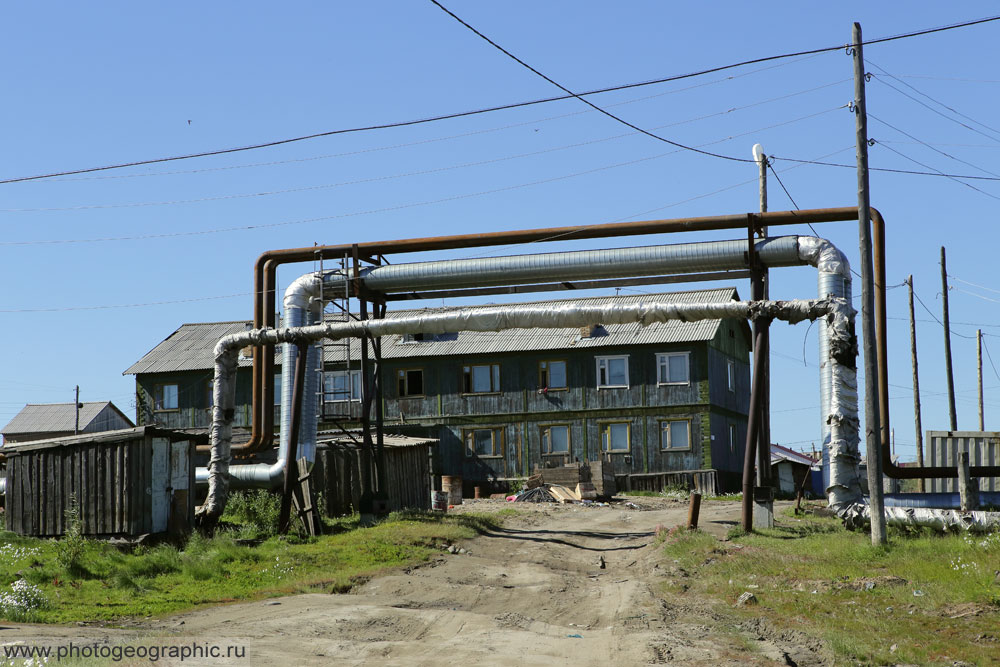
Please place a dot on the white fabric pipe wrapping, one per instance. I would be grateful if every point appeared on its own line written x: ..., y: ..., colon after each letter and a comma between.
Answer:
x: 839, y: 314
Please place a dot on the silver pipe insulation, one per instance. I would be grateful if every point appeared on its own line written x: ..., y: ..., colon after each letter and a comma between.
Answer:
x: 303, y: 300
x: 838, y: 313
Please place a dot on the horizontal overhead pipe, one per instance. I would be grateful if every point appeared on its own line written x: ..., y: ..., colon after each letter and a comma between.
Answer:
x: 838, y: 313
x: 266, y: 266
x: 265, y: 270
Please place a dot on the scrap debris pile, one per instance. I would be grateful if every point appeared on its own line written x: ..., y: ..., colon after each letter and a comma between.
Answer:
x: 537, y: 491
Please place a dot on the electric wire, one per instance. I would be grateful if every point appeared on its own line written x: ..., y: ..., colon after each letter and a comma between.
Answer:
x: 121, y: 305
x: 936, y: 111
x: 988, y: 289
x: 990, y: 357
x: 449, y: 116
x: 952, y: 178
x: 930, y: 146
x: 593, y: 106
x: 936, y: 101
x: 483, y: 131
x: 375, y: 179
x: 389, y: 208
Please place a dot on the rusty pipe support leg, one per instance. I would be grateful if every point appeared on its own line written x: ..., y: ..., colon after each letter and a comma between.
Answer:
x: 753, y: 425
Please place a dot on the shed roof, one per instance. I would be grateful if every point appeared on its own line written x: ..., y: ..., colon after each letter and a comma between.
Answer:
x: 190, y: 347
x: 56, y: 417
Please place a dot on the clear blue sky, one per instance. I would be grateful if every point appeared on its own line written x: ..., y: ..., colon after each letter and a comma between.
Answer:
x: 94, y: 84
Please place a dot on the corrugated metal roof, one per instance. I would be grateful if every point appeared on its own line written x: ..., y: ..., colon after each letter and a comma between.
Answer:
x: 190, y: 347
x: 54, y: 417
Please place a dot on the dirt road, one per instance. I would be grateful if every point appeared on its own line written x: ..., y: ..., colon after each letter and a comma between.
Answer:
x: 531, y: 593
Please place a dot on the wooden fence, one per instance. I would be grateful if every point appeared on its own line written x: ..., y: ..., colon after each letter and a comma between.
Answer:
x: 337, y: 475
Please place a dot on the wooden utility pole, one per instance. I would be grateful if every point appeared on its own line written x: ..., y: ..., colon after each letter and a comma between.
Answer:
x: 873, y: 430
x: 763, y: 508
x: 953, y: 418
x: 979, y: 361
x: 916, y: 386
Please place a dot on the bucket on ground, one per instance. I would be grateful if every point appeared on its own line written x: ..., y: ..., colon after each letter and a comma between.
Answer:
x: 439, y: 501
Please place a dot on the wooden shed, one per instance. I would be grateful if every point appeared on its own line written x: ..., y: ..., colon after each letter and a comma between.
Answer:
x: 408, y: 473
x: 124, y: 483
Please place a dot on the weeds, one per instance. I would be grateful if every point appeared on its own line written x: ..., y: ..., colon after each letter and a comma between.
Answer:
x: 256, y: 512
x: 23, y: 601
x: 70, y: 549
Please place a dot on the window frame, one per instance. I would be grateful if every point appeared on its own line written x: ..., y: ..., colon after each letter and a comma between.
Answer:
x: 665, y: 423
x: 662, y: 357
x: 277, y: 389
x: 544, y: 374
x: 605, y: 427
x: 731, y: 375
x: 210, y: 393
x: 734, y: 434
x: 545, y: 438
x: 607, y: 358
x: 468, y: 379
x: 158, y: 397
x: 353, y: 382
x: 498, y: 441
x: 403, y: 374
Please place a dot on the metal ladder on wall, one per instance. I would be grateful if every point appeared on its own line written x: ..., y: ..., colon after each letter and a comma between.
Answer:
x: 335, y: 397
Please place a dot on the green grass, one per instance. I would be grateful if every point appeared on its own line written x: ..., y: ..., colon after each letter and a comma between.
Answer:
x: 932, y: 596
x: 105, y: 583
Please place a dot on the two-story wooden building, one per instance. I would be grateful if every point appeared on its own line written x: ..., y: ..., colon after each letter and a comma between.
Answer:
x: 664, y: 397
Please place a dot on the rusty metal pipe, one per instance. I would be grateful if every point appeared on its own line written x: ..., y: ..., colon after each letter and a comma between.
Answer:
x: 265, y: 270
x: 753, y: 426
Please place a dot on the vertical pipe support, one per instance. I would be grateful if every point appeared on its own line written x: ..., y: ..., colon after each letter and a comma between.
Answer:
x: 759, y: 345
x: 291, y: 474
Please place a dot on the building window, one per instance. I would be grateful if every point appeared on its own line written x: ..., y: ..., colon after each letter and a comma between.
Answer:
x: 277, y: 389
x: 210, y: 393
x: 731, y: 374
x: 552, y: 376
x: 733, y: 438
x: 483, y: 442
x: 483, y: 379
x: 555, y: 439
x: 341, y: 386
x: 673, y: 368
x: 410, y: 382
x: 612, y: 372
x: 615, y: 436
x: 675, y: 434
x: 165, y: 397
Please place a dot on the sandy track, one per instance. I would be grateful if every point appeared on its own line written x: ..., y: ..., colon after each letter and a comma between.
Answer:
x: 531, y: 593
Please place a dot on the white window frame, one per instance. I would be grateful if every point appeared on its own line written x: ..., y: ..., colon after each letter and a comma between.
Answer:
x: 545, y: 431
x: 545, y: 374
x: 665, y: 429
x: 160, y: 401
x: 468, y: 378
x: 604, y: 362
x: 731, y: 375
x: 605, y: 430
x: 733, y: 437
x: 663, y: 362
x: 353, y: 387
x: 497, y: 441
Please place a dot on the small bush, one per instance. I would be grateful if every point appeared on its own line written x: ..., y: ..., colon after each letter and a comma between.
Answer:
x: 71, y: 548
x: 257, y: 512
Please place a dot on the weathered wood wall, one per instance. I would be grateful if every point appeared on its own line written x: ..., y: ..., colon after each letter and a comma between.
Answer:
x: 108, y: 478
x: 337, y: 474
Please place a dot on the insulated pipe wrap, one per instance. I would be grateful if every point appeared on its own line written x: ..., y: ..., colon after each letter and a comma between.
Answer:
x: 573, y: 265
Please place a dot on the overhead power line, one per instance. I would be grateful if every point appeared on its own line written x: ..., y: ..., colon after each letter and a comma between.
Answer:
x: 431, y: 119
x: 580, y: 97
x: 936, y: 101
